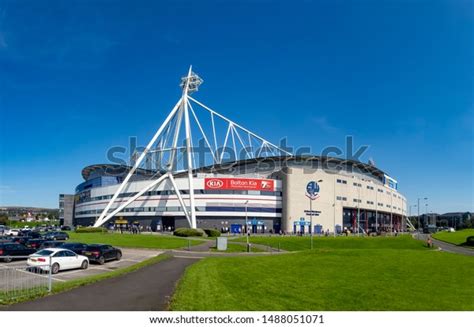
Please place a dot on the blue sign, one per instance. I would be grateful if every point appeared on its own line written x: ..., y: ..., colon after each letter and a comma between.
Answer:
x: 302, y: 222
x: 312, y: 190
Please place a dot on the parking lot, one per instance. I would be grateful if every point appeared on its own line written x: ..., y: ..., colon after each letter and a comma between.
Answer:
x: 129, y: 257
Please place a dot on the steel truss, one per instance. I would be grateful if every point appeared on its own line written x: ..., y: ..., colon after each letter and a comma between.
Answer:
x: 172, y: 149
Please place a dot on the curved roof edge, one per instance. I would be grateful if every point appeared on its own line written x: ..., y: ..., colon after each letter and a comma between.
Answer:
x: 114, y: 169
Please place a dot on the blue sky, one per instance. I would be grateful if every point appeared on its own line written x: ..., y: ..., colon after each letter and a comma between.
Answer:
x: 77, y: 77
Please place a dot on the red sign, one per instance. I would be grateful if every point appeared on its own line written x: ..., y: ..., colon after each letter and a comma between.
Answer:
x: 239, y: 184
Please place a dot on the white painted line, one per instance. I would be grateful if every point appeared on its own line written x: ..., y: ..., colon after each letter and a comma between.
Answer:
x: 35, y: 274
x: 97, y: 268
x: 69, y: 272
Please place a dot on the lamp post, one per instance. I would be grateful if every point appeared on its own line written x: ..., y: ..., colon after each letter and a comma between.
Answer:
x: 426, y: 214
x: 418, y: 206
x: 311, y: 229
x: 247, y: 226
x: 409, y: 212
x: 358, y: 207
x: 334, y: 207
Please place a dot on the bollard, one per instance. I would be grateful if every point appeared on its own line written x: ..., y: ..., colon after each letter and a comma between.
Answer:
x: 189, y: 245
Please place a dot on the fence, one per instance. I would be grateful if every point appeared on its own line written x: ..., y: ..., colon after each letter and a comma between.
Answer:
x: 18, y: 280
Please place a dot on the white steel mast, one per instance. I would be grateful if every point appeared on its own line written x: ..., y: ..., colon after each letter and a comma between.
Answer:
x: 166, y: 142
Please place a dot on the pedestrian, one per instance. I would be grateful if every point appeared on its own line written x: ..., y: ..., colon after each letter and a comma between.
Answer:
x: 429, y: 242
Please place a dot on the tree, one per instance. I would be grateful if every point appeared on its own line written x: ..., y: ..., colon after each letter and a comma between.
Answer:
x: 3, y: 219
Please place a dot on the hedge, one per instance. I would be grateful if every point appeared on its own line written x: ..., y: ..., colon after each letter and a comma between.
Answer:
x: 212, y: 232
x: 185, y: 232
x: 470, y: 241
x: 90, y: 230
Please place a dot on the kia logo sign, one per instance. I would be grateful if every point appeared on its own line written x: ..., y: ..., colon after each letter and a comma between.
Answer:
x: 214, y: 183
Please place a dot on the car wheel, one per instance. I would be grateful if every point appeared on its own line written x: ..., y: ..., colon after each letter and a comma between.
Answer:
x: 101, y: 260
x: 84, y: 264
x: 119, y: 255
x: 55, y: 268
x: 8, y: 259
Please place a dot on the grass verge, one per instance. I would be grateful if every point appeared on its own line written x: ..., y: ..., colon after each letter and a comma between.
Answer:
x: 133, y: 240
x: 59, y: 287
x: 457, y: 238
x: 346, y: 280
x: 301, y: 243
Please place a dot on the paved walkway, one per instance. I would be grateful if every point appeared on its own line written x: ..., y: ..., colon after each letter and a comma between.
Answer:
x: 149, y: 288
x: 448, y: 247
x: 146, y: 289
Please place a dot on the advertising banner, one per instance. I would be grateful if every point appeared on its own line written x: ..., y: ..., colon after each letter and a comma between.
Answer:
x: 247, y: 184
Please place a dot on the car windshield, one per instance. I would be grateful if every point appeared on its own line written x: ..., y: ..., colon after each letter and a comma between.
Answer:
x: 44, y: 252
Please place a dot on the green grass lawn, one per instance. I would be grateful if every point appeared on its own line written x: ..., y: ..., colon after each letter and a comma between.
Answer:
x: 458, y: 237
x: 233, y: 248
x: 133, y: 240
x: 330, y: 280
x: 299, y: 243
x: 384, y: 273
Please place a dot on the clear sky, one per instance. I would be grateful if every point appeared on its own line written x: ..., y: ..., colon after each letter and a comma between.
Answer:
x: 77, y: 77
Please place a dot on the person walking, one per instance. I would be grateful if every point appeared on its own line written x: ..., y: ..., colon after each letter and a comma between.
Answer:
x: 429, y: 242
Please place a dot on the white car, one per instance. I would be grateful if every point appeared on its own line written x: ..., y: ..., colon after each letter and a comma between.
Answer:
x: 12, y: 232
x: 61, y: 259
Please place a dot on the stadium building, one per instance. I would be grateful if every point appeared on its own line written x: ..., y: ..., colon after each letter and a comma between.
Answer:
x: 241, y: 180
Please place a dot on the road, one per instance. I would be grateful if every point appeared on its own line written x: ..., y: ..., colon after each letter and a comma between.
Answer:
x: 146, y: 289
x: 448, y: 247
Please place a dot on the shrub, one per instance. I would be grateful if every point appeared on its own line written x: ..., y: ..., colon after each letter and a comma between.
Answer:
x: 185, y: 232
x: 470, y: 240
x: 91, y: 230
x: 212, y: 232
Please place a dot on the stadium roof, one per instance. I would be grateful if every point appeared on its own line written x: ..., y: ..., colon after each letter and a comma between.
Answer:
x: 318, y: 162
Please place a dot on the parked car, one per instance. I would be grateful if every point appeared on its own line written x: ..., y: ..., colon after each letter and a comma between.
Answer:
x: 51, y: 244
x: 13, y: 232
x: 3, y: 228
x: 19, y: 239
x: 68, y: 228
x: 56, y: 236
x: 30, y: 233
x: 34, y: 243
x: 61, y: 259
x: 77, y: 248
x: 11, y: 250
x: 101, y: 253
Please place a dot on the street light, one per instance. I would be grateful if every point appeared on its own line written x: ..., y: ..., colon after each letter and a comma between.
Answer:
x: 247, y: 226
x: 311, y: 229
x: 409, y: 212
x: 418, y: 206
